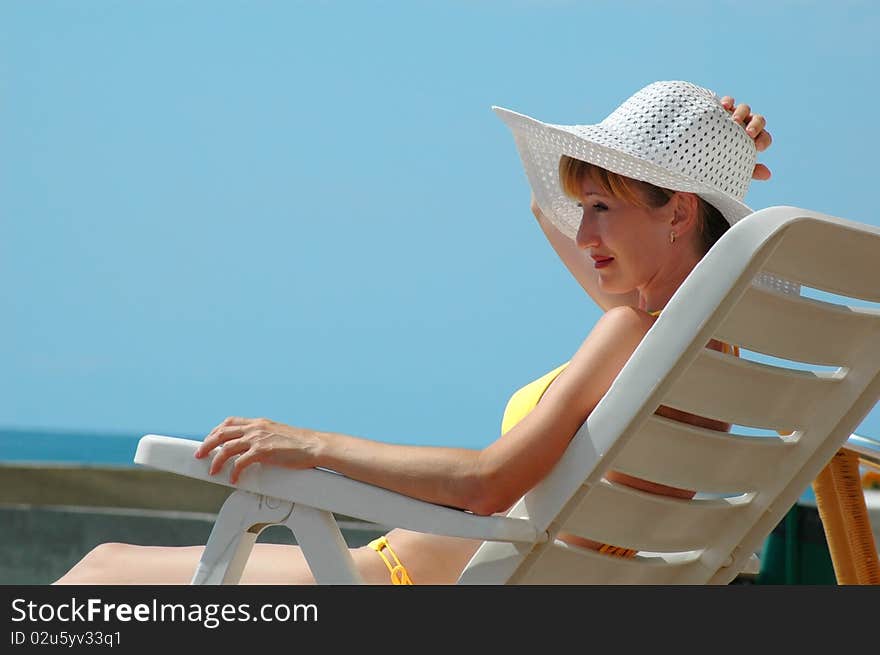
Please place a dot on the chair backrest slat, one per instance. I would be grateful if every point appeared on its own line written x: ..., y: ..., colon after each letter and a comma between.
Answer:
x: 675, y: 454
x: 797, y: 328
x: 562, y: 564
x: 621, y: 516
x: 743, y: 392
x: 836, y: 255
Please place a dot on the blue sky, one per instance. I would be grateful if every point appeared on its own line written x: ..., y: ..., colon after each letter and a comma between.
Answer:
x: 307, y: 210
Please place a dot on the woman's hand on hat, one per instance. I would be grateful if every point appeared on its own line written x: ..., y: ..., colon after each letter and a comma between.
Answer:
x: 754, y: 126
x: 260, y: 440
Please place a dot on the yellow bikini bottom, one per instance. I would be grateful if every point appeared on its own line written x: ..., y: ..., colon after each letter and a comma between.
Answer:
x: 399, y: 574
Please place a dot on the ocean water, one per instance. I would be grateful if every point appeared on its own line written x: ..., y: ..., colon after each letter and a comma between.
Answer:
x: 87, y: 448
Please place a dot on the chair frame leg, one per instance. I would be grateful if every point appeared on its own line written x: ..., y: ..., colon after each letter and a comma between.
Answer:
x: 323, y: 546
x: 244, y: 515
x: 240, y: 520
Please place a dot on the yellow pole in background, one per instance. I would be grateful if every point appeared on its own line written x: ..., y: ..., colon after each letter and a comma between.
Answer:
x: 844, y: 514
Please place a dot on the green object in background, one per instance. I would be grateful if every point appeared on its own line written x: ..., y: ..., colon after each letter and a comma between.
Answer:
x: 796, y: 552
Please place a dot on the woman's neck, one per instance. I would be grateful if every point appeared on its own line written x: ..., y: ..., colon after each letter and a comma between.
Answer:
x: 654, y: 295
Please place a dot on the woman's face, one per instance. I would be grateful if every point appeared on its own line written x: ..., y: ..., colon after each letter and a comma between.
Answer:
x: 629, y: 245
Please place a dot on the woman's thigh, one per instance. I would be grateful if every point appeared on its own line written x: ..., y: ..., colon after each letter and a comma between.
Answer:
x: 430, y: 559
x: 116, y: 563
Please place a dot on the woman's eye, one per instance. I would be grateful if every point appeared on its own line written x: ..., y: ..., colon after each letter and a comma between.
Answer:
x: 598, y: 206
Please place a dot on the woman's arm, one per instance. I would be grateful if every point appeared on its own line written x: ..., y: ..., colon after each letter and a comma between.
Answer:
x: 482, y: 481
x: 445, y: 476
x: 527, y: 452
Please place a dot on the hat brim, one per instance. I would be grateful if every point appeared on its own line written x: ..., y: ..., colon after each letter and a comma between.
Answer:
x: 541, y: 145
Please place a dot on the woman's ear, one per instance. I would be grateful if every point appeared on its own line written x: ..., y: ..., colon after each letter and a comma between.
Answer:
x: 686, y: 213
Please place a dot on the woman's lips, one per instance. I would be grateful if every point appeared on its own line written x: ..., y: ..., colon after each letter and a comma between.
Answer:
x: 602, y: 262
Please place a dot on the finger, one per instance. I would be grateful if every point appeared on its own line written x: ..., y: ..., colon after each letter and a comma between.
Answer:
x: 228, y: 450
x: 742, y: 113
x: 761, y: 172
x: 755, y: 125
x: 236, y: 420
x: 763, y: 141
x: 219, y: 436
x: 231, y: 420
x: 728, y: 103
x: 252, y: 456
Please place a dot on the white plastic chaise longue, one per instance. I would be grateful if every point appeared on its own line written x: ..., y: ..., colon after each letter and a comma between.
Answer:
x: 745, y: 484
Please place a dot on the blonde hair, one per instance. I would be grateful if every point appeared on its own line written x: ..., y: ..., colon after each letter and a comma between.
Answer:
x: 635, y: 192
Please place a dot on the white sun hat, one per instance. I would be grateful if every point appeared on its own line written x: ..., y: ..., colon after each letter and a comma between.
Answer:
x: 674, y: 135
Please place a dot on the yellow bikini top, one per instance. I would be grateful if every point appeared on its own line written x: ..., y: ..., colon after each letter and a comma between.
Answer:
x: 525, y: 399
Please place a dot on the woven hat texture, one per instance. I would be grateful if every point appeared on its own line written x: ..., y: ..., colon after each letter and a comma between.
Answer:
x: 674, y: 135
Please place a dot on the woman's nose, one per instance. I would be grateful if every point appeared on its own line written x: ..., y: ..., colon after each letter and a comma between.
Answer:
x: 586, y: 235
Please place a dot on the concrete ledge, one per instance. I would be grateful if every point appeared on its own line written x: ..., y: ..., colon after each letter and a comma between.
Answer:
x: 53, y: 515
x: 40, y: 544
x: 107, y: 487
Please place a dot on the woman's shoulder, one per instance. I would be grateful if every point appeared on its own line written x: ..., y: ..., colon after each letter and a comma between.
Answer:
x: 626, y: 318
x: 639, y: 319
x: 622, y: 318
x: 632, y: 310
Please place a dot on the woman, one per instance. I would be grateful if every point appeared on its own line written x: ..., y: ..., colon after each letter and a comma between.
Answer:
x: 629, y: 243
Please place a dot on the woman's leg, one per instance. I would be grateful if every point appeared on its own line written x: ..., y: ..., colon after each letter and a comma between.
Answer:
x: 430, y: 559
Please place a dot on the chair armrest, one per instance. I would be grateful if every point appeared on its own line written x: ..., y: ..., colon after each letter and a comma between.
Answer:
x: 330, y: 491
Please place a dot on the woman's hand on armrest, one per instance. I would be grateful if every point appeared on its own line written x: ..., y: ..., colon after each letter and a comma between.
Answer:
x: 445, y: 476
x: 253, y: 440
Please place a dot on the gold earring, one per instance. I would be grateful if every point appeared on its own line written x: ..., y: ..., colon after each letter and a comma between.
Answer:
x: 672, y: 237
